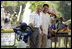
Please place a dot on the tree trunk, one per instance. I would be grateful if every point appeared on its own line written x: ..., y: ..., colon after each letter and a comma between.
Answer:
x: 19, y: 13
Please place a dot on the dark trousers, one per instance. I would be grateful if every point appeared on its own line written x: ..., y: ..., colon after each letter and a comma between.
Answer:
x: 34, y: 39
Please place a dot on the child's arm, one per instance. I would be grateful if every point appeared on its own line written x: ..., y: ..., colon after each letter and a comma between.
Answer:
x: 29, y: 32
x: 16, y: 30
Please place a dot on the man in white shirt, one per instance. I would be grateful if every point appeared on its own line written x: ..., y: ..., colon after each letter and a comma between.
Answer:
x: 35, y: 23
x: 45, y: 25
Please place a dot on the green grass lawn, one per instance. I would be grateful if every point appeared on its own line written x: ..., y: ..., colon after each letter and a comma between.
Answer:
x: 8, y: 47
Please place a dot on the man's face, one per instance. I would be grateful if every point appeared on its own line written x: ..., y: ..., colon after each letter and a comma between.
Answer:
x: 39, y: 9
x: 45, y: 8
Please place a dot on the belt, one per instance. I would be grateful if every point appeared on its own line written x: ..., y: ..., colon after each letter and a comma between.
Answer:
x: 36, y: 27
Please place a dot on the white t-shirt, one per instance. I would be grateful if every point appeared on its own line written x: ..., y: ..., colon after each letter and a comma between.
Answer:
x: 46, y: 21
x: 36, y: 19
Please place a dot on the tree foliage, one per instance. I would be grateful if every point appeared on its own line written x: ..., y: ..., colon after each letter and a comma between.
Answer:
x: 63, y: 8
x: 35, y: 3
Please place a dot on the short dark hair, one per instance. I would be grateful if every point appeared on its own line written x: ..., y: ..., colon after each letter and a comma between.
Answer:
x: 57, y: 21
x: 46, y: 5
x: 61, y: 18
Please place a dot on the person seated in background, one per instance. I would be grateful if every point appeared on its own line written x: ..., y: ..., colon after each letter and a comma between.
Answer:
x: 61, y: 26
x: 14, y: 20
x: 7, y: 21
x: 53, y: 21
x: 53, y: 17
x: 50, y: 33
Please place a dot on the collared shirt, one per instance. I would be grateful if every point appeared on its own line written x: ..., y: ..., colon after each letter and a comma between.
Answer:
x: 46, y: 22
x: 36, y: 19
x: 60, y: 25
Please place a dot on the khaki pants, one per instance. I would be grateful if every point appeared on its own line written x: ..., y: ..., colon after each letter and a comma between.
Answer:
x: 42, y: 41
